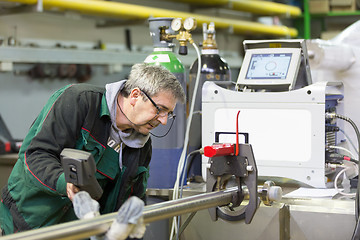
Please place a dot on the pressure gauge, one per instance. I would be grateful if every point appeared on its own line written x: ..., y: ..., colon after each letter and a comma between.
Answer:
x: 176, y: 24
x: 190, y: 24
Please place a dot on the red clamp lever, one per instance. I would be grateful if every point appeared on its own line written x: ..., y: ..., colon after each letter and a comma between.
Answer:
x: 219, y: 150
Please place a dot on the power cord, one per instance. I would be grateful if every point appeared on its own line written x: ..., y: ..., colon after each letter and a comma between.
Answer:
x: 186, y: 141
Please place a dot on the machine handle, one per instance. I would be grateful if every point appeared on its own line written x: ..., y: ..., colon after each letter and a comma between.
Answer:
x: 217, y: 136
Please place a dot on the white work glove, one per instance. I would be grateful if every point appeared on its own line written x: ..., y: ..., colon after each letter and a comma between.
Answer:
x: 84, y: 206
x: 139, y: 229
x: 128, y: 222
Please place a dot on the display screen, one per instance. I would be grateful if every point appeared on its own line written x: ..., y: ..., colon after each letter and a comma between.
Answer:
x: 269, y: 66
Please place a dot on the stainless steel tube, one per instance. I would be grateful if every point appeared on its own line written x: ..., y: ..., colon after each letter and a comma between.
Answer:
x: 81, y: 229
x: 169, y: 209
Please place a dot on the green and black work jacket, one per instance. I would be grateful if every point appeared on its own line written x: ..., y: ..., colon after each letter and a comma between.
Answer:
x: 76, y: 116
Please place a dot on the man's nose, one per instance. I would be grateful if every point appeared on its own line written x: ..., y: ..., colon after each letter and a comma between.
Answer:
x: 163, y: 119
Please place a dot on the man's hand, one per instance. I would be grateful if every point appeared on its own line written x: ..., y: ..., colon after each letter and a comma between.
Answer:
x: 71, y: 189
x: 129, y: 221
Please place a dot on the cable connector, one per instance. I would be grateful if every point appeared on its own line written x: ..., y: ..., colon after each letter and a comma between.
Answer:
x: 335, y: 115
x: 332, y: 165
x: 330, y: 115
x: 352, y: 169
x: 201, y: 151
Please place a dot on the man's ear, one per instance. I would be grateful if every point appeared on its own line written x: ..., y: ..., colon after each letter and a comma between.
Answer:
x: 135, y: 95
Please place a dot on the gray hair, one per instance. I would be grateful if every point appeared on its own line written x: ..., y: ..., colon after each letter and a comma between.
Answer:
x: 152, y: 79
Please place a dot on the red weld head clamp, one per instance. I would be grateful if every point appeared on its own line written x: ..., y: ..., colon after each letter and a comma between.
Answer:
x: 216, y: 150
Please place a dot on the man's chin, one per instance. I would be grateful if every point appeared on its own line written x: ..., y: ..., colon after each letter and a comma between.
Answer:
x: 144, y: 131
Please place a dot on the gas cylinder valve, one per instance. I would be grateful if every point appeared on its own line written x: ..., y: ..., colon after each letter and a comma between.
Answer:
x: 209, y: 41
x: 183, y: 35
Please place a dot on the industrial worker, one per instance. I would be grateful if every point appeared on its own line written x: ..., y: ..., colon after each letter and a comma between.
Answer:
x: 112, y: 123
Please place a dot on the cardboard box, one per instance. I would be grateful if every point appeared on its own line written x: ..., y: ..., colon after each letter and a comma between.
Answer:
x: 330, y: 34
x: 343, y: 5
x: 319, y: 6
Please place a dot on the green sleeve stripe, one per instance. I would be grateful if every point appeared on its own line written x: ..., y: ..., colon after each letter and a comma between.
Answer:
x: 61, y: 184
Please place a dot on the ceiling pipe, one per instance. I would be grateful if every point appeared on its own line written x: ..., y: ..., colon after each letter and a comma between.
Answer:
x: 252, y: 6
x: 265, y: 7
x: 124, y: 10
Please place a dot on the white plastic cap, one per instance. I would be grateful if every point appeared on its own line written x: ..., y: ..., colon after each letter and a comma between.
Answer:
x: 275, y: 193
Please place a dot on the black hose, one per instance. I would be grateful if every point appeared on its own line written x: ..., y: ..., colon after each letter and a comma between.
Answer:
x: 356, y: 234
x: 190, y: 160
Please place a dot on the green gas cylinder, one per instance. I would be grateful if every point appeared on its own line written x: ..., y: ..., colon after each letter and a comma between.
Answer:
x: 167, y: 150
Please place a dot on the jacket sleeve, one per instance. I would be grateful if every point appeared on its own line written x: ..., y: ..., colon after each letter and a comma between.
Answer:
x: 58, y: 126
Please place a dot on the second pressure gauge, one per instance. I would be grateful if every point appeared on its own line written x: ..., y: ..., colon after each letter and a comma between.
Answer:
x: 190, y: 24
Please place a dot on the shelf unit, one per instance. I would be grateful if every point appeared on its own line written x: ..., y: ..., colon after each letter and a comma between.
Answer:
x: 304, y: 22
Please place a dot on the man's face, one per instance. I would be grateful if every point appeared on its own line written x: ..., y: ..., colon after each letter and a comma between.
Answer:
x: 145, y: 113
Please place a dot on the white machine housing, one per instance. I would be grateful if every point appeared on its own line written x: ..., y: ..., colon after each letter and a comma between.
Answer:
x: 286, y: 129
x: 281, y: 111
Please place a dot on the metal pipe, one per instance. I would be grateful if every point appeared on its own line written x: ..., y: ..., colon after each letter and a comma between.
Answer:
x: 131, y: 11
x: 265, y: 7
x: 81, y: 229
x: 176, y: 207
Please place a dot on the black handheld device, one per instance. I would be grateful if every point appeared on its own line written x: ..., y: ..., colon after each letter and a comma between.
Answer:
x: 79, y: 168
